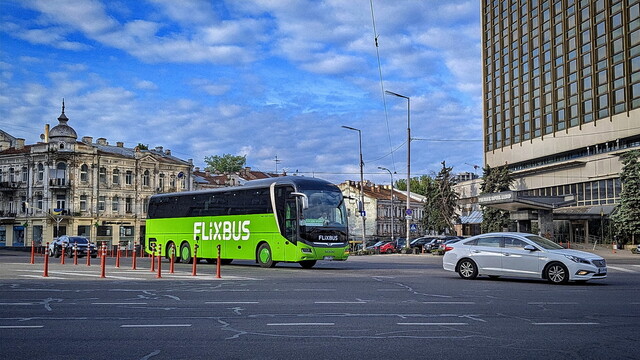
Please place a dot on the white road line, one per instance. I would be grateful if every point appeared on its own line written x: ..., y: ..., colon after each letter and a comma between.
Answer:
x: 433, y: 324
x: 18, y: 304
x: 21, y: 327
x: 40, y: 276
x: 620, y: 269
x: 552, y: 303
x: 119, y: 303
x: 635, y: 265
x: 231, y: 302
x: 449, y: 302
x: 300, y: 324
x: 340, y: 302
x: 566, y: 323
x: 154, y: 325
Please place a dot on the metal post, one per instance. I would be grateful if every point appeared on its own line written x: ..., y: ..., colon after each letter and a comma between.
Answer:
x: 362, y: 210
x: 391, y: 198
x: 408, y: 217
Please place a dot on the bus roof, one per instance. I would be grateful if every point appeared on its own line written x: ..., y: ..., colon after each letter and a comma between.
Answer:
x: 298, y: 182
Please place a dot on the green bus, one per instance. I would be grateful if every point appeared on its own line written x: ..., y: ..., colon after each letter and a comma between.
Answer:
x: 280, y: 219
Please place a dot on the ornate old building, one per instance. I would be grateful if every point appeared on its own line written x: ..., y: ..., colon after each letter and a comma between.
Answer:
x: 64, y: 186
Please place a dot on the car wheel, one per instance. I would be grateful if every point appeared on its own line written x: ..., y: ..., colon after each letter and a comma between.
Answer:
x: 185, y: 254
x: 307, y: 264
x: 56, y: 252
x: 467, y: 269
x: 265, y: 258
x: 557, y: 273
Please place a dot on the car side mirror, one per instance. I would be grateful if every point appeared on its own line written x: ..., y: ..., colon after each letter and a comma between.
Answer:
x: 530, y: 248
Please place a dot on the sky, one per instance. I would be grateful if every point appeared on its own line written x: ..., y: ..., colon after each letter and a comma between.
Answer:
x: 269, y: 79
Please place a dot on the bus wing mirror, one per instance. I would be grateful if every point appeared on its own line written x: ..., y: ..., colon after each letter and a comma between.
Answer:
x: 303, y: 198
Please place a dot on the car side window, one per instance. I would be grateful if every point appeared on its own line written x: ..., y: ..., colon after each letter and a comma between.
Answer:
x: 489, y: 242
x: 512, y: 243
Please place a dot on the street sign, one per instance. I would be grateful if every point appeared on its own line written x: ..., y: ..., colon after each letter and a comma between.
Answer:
x: 409, y: 212
x: 413, y: 227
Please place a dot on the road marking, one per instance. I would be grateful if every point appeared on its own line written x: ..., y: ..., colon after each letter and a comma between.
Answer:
x: 300, y: 324
x: 21, y: 327
x: 18, y: 304
x: 449, y: 302
x: 567, y: 323
x: 552, y: 303
x: 620, y: 269
x: 154, y: 325
x: 433, y: 324
x: 118, y: 303
x: 232, y: 302
x: 40, y: 276
x: 392, y: 289
x: 340, y: 302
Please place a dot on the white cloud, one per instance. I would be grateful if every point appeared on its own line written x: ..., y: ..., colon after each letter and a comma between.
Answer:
x: 145, y: 85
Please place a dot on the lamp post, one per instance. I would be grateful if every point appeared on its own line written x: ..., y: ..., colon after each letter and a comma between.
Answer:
x: 391, y: 198
x: 362, y: 211
x: 408, y: 215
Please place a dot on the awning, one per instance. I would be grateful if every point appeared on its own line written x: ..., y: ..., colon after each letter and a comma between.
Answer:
x: 583, y: 212
x: 474, y: 217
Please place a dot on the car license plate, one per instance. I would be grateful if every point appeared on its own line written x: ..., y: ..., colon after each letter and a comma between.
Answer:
x: 328, y: 258
x: 602, y: 270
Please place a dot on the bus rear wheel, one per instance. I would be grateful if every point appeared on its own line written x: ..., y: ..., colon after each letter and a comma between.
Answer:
x: 307, y: 264
x: 185, y: 254
x: 265, y: 258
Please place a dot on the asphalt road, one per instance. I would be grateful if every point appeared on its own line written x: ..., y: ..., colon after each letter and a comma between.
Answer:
x: 372, y: 307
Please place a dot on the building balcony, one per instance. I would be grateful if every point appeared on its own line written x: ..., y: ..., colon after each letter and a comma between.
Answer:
x: 10, y: 186
x: 59, y: 183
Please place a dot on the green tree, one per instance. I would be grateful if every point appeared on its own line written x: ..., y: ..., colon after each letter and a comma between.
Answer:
x: 626, y: 217
x: 142, y: 146
x: 225, y: 164
x: 440, y: 201
x: 495, y: 180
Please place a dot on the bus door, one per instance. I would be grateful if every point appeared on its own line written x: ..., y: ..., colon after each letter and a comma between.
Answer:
x: 287, y: 214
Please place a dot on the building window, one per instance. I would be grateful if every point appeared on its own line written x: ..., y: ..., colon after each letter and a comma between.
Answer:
x: 84, y: 173
x: 83, y: 202
x: 39, y: 201
x: 60, y: 202
x: 115, y: 204
x: 161, y: 182
x: 101, y: 203
x: 128, y: 177
x: 115, y: 176
x: 128, y: 205
x: 103, y: 175
x: 145, y: 178
x: 40, y: 172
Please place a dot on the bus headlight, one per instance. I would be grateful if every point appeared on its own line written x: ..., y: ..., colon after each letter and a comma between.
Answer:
x: 306, y: 250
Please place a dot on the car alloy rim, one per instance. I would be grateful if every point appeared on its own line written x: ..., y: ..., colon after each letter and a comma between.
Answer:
x: 466, y: 269
x: 556, y: 273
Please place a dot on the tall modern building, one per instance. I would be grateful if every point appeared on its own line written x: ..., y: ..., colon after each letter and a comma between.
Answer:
x: 561, y: 91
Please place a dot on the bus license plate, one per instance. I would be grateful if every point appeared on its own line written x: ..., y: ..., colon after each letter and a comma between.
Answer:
x: 328, y: 258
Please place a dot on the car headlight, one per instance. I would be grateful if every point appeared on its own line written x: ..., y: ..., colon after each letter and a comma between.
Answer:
x: 577, y: 259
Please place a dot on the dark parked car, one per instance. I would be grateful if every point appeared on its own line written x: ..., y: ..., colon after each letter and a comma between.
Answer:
x: 420, y: 242
x: 434, y: 244
x: 69, y: 242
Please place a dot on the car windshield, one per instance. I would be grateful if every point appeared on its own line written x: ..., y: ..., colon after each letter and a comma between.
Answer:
x: 78, y: 240
x: 544, y: 243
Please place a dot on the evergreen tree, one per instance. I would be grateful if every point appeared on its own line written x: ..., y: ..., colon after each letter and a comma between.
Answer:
x: 495, y: 180
x: 626, y: 217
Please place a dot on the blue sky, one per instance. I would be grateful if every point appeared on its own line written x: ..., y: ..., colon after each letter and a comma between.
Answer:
x: 261, y: 78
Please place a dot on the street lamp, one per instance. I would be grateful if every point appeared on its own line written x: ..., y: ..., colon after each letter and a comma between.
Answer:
x: 362, y: 211
x: 408, y: 217
x: 392, y: 213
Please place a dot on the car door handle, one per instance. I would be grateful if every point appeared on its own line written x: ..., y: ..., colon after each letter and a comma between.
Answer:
x: 476, y: 251
x: 506, y: 254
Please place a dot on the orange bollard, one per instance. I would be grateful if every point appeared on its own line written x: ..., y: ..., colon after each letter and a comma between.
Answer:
x: 103, y: 261
x: 172, y: 259
x: 195, y: 259
x: 75, y: 254
x: 33, y: 253
x: 133, y: 261
x: 62, y: 256
x: 46, y: 264
x: 159, y: 275
x: 89, y: 254
x: 218, y: 264
x: 118, y: 257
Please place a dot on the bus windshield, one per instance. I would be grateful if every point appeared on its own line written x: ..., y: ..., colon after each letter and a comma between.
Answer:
x: 326, y: 209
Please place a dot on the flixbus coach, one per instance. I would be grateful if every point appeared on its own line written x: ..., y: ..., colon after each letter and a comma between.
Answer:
x: 281, y: 219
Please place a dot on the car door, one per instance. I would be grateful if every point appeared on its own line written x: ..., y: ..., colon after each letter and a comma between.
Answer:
x: 517, y: 261
x: 487, y: 254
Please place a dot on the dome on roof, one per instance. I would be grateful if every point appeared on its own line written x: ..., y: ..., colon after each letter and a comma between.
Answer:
x: 62, y: 131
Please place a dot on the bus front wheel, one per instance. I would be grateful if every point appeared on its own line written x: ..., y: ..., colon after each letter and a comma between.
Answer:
x: 265, y: 258
x: 185, y: 254
x: 307, y: 264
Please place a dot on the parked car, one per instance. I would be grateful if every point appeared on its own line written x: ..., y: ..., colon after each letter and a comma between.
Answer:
x: 68, y: 243
x: 388, y: 247
x: 443, y: 246
x: 521, y: 255
x: 420, y: 242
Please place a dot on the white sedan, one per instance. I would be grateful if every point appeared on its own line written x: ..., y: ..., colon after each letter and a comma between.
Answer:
x: 521, y: 255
